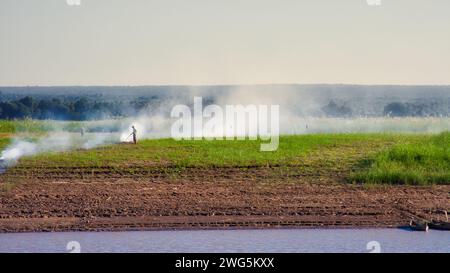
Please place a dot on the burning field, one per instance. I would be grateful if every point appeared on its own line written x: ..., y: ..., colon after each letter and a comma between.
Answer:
x: 327, y: 180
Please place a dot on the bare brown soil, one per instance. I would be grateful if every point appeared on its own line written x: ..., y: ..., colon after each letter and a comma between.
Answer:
x: 256, y: 197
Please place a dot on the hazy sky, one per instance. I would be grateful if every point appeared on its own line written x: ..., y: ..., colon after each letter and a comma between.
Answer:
x: 139, y: 42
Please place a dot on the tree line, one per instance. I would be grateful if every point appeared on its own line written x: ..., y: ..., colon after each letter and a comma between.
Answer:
x: 94, y: 108
x: 393, y: 109
x: 60, y: 109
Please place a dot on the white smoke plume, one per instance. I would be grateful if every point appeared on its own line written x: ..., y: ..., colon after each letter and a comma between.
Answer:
x: 52, y: 142
x: 60, y: 140
x: 17, y: 150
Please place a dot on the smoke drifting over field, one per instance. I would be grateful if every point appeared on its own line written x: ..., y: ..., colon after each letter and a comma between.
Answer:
x: 52, y: 142
x: 97, y: 133
x: 317, y: 109
x: 18, y: 149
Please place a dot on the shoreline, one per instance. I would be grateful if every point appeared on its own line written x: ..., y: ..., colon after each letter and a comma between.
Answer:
x: 405, y: 228
x: 129, y: 205
x: 97, y: 225
x: 167, y: 223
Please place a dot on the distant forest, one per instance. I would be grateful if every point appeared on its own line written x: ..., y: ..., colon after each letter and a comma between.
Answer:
x: 92, y: 103
x: 82, y: 108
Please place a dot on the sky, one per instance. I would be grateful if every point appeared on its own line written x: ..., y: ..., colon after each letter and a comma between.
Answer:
x: 207, y: 42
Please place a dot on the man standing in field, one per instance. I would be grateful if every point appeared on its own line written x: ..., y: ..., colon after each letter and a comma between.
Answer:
x: 134, y: 133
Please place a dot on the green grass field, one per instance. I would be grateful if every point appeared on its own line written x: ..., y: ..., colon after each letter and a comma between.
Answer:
x: 419, y: 163
x: 31, y: 126
x: 203, y: 153
x: 43, y: 126
x: 364, y: 158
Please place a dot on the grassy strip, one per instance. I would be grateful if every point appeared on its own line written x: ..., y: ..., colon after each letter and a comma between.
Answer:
x: 412, y: 163
x: 404, y: 159
x: 38, y: 126
x: 4, y: 141
x: 168, y: 152
x: 32, y: 126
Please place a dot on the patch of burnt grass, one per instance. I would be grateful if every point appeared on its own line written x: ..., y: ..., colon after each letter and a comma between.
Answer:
x: 422, y: 162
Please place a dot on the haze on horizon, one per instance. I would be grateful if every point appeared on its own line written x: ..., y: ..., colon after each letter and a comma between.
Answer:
x: 204, y: 42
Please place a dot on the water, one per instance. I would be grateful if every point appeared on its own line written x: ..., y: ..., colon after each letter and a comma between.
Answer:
x: 274, y: 240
